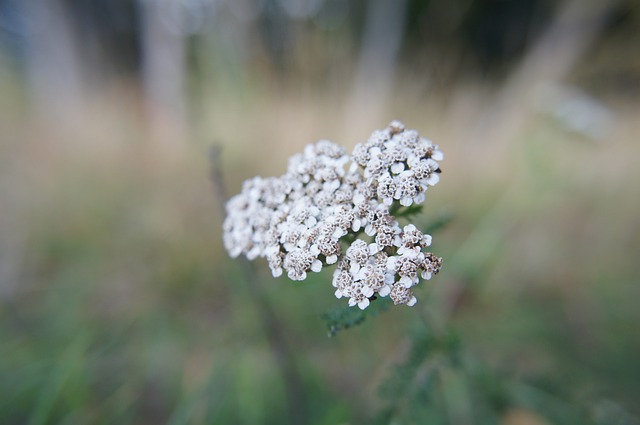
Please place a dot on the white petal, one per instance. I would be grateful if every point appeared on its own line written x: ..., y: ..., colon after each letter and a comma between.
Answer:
x: 331, y: 186
x: 352, y: 302
x: 338, y: 233
x: 354, y: 269
x: 253, y: 253
x: 426, y: 275
x: 391, y: 263
x: 309, y: 150
x: 373, y: 248
x: 370, y: 230
x: 270, y: 250
x: 363, y: 304
x: 411, y: 253
x: 314, y: 250
x: 384, y: 291
x: 437, y: 155
x: 420, y: 198
x: 339, y: 293
x: 397, y: 168
x: 277, y: 272
x: 412, y: 301
x: 332, y: 259
x: 367, y: 291
x: 433, y: 179
x: 406, y: 282
x: 406, y: 201
x: 413, y: 160
x: 316, y: 266
x: 356, y: 225
x: 426, y: 240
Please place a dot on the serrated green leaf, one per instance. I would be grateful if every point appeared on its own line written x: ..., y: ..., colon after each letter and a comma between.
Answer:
x: 348, y: 317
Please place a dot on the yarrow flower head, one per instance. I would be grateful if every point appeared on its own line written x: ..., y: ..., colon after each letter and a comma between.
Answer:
x: 334, y: 208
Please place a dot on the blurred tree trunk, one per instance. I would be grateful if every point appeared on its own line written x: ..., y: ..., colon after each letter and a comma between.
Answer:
x: 381, y: 41
x: 548, y: 62
x: 53, y: 64
x: 163, y: 69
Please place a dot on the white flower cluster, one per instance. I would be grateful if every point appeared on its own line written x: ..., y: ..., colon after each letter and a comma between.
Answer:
x: 328, y: 201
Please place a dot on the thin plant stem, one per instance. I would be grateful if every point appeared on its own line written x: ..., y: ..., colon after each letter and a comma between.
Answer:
x: 285, y: 359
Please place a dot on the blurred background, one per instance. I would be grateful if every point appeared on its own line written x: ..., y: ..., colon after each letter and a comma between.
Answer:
x: 118, y: 303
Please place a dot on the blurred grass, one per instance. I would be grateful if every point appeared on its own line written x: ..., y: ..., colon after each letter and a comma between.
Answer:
x: 119, y: 305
